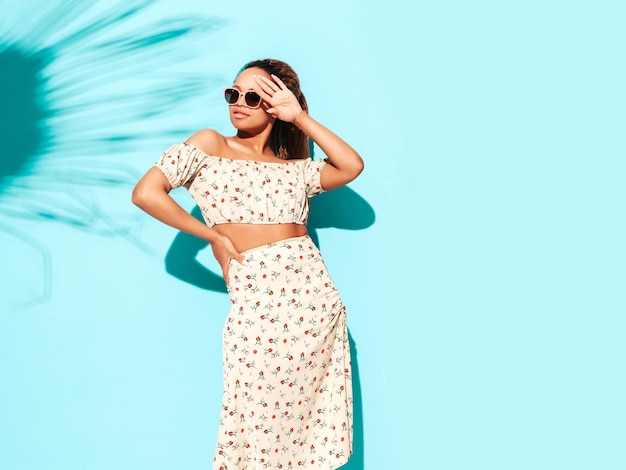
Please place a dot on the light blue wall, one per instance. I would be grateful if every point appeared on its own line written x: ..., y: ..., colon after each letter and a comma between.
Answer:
x: 481, y: 255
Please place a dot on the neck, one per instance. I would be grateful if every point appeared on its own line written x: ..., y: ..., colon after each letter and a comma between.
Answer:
x: 256, y: 142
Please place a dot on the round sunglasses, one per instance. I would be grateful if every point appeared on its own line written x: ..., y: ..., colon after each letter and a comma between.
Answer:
x: 252, y: 98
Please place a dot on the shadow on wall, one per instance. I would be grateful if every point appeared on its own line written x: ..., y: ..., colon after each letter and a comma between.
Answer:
x: 23, y: 128
x: 341, y: 208
x: 357, y: 460
x: 80, y: 90
x: 23, y: 135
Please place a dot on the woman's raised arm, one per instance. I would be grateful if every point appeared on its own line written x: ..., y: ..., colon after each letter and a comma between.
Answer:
x: 345, y: 163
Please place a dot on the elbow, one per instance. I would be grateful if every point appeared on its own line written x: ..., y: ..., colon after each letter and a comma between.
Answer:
x: 357, y: 168
x: 139, y: 196
x: 360, y: 166
x: 344, y: 174
x: 148, y: 191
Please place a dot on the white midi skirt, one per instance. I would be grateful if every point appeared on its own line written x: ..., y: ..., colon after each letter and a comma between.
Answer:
x: 287, y: 400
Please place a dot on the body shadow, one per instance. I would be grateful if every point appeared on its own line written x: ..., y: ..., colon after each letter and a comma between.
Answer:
x: 357, y: 459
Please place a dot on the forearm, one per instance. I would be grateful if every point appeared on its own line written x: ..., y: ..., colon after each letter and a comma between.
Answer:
x: 166, y: 210
x: 340, y: 154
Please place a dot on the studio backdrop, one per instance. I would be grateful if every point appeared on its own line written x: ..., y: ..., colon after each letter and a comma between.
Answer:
x: 480, y: 254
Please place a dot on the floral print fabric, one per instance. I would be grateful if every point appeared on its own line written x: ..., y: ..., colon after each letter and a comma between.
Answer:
x: 287, y: 400
x: 243, y: 191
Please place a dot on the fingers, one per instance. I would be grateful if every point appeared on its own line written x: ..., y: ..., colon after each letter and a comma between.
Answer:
x: 267, y: 88
x: 279, y: 82
x: 224, y: 251
x: 234, y: 254
x: 270, y: 87
x: 282, y: 103
x: 225, y: 272
x: 275, y: 84
x: 226, y: 266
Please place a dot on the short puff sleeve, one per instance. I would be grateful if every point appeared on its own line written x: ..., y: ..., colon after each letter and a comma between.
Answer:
x: 181, y: 163
x: 312, y: 174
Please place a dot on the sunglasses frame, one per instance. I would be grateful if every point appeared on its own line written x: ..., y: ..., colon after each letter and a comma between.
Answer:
x: 240, y: 93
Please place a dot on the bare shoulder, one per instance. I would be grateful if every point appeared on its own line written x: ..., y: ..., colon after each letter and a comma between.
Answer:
x: 209, y: 141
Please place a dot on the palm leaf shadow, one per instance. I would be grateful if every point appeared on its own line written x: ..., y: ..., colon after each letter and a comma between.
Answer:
x: 84, y: 88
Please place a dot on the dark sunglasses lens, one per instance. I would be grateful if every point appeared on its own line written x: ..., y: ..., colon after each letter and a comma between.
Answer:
x: 253, y: 99
x: 231, y: 95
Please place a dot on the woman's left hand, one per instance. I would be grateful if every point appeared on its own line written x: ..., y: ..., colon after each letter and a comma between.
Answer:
x: 283, y: 103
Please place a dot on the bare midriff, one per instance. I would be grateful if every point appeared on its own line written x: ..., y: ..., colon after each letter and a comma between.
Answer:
x: 248, y: 236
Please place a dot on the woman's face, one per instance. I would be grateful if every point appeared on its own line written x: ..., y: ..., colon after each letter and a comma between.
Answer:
x: 243, y: 117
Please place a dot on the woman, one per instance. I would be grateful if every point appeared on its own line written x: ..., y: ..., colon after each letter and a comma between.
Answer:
x: 287, y: 399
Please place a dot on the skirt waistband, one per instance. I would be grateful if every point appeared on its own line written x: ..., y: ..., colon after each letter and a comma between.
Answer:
x: 299, y: 239
x: 288, y: 264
